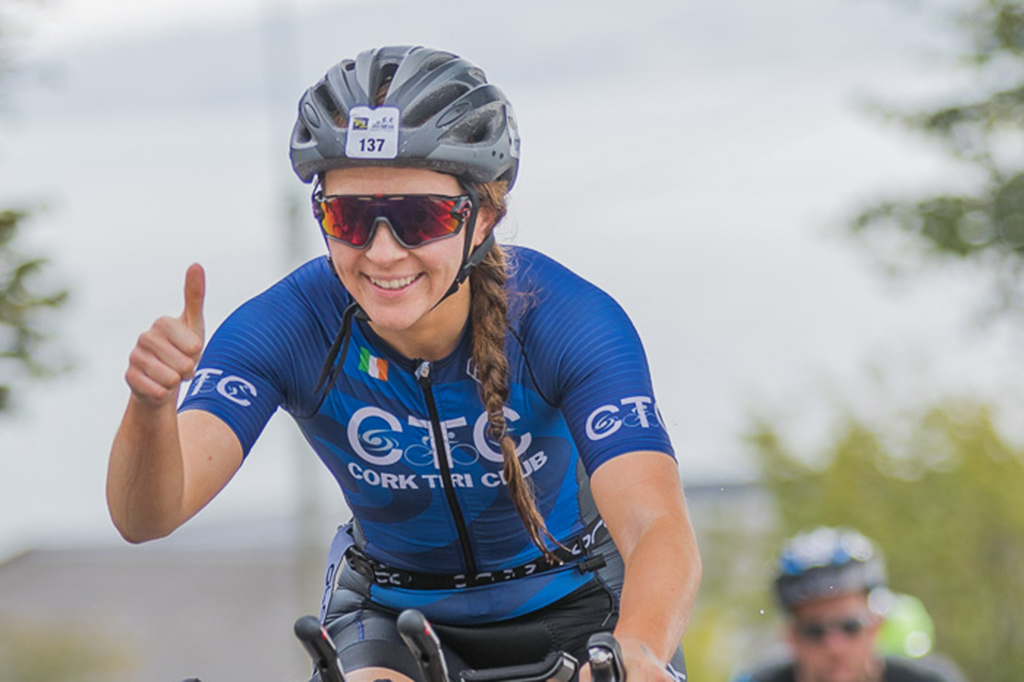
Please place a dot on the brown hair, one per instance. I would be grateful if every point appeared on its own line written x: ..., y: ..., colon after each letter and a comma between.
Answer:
x: 488, y: 315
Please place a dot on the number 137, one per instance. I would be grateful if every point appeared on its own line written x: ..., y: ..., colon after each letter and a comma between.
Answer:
x: 371, y: 144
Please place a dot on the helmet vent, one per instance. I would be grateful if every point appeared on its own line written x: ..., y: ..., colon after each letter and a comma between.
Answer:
x: 384, y: 78
x: 322, y: 93
x: 302, y: 134
x: 435, y: 60
x: 481, y: 127
x: 433, y: 103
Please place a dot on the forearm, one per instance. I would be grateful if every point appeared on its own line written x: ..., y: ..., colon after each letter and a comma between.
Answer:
x: 663, y: 572
x: 146, y: 475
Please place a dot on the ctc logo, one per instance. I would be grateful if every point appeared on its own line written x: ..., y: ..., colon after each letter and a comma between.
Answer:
x: 379, y: 438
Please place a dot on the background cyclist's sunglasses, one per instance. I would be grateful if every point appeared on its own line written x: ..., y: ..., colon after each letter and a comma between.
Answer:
x: 414, y: 219
x: 816, y: 631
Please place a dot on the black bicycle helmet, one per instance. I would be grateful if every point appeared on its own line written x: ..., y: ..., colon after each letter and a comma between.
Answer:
x: 827, y: 562
x: 439, y: 113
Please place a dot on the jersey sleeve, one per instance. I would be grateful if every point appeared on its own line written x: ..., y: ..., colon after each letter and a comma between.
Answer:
x: 264, y: 356
x: 588, y: 358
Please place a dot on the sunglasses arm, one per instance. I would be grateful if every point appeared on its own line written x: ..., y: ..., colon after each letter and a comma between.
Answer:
x: 470, y: 259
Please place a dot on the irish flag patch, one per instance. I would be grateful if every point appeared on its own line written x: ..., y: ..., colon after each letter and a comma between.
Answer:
x: 372, y: 365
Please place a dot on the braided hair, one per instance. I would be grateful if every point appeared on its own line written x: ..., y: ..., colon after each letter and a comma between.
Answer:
x: 488, y: 321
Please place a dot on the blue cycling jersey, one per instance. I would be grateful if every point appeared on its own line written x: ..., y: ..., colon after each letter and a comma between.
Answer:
x: 407, y: 440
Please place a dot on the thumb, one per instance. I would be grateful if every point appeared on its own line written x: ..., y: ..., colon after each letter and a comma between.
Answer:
x: 195, y: 292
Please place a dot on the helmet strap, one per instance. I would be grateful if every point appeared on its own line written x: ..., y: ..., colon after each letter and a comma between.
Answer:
x: 470, y: 257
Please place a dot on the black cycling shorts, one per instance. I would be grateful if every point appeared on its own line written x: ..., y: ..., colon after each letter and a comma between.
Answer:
x: 366, y: 634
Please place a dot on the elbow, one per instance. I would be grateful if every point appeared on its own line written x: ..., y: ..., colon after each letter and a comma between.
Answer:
x: 137, y: 533
x: 132, y: 537
x: 137, y: 525
x: 138, y: 536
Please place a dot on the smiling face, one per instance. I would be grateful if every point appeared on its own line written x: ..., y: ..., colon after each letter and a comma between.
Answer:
x: 398, y: 287
x: 828, y: 647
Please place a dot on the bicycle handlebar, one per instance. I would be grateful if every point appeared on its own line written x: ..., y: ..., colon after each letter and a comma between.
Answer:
x: 556, y: 667
x: 602, y: 649
x: 320, y: 647
x: 424, y: 644
x: 605, y: 658
x: 418, y: 634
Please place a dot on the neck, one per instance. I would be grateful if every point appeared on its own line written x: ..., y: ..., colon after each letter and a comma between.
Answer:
x: 435, y: 335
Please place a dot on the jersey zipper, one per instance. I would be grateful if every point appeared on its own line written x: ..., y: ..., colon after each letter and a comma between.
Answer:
x: 423, y: 379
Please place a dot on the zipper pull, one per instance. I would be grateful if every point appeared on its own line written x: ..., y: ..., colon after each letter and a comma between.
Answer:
x: 423, y: 374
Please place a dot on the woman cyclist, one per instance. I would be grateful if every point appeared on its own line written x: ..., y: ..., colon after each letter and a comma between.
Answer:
x: 487, y: 414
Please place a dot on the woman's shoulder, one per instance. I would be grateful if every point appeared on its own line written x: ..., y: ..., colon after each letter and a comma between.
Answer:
x: 541, y: 285
x: 542, y: 278
x: 560, y: 318
x: 530, y: 265
x: 309, y: 295
x: 313, y: 281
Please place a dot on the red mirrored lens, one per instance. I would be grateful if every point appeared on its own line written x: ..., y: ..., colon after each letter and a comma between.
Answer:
x: 414, y: 219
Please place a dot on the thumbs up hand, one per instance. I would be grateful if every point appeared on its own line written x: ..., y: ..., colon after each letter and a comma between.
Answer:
x: 169, y: 351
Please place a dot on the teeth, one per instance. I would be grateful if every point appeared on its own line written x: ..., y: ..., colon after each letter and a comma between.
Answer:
x: 393, y: 283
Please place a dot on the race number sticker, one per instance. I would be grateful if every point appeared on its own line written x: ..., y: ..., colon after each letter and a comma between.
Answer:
x: 372, y: 133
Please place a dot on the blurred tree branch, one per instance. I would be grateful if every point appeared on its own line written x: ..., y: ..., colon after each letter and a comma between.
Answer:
x: 25, y: 299
x: 983, y: 225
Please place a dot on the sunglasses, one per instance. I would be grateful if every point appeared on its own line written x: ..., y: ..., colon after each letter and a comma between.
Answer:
x: 816, y: 631
x: 414, y: 219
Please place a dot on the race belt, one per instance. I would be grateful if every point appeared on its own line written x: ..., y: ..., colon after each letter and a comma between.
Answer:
x: 573, y: 552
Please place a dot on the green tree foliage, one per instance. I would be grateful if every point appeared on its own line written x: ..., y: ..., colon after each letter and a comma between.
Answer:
x: 733, y: 620
x: 939, y: 490
x: 25, y: 298
x: 22, y: 310
x: 982, y: 224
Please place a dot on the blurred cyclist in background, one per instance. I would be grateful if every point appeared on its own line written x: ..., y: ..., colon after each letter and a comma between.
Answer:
x: 831, y: 583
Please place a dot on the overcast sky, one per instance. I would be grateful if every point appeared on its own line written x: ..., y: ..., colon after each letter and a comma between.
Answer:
x: 694, y: 159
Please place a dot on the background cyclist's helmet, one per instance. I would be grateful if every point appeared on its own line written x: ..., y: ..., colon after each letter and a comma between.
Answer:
x: 449, y: 118
x: 827, y: 562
